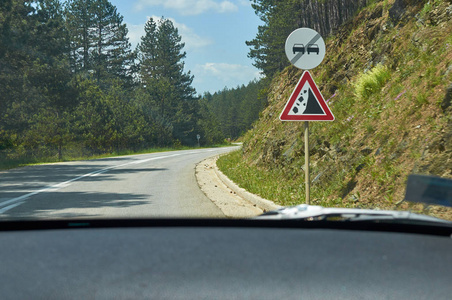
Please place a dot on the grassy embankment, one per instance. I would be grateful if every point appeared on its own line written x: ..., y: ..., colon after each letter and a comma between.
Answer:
x: 385, y: 81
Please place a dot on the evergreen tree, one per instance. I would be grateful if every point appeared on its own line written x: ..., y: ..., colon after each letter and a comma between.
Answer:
x: 237, y: 109
x: 67, y: 73
x: 80, y: 22
x: 208, y: 123
x: 15, y: 49
x: 34, y: 73
x: 99, y: 42
x: 112, y: 55
x: 162, y: 75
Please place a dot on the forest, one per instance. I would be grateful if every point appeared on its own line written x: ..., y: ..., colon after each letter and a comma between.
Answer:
x: 237, y: 108
x: 72, y: 86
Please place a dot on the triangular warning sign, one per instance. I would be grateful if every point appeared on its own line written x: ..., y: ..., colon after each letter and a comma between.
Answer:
x: 306, y: 103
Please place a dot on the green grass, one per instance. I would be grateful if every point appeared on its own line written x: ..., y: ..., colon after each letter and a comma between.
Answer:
x: 371, y: 82
x: 7, y: 163
x: 428, y: 7
x: 269, y: 184
x: 284, y: 186
x: 421, y: 99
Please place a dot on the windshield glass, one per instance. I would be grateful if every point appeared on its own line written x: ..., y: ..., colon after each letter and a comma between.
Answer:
x: 202, y: 108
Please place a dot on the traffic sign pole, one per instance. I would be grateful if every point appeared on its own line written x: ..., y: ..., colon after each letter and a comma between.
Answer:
x: 305, y: 49
x: 306, y: 162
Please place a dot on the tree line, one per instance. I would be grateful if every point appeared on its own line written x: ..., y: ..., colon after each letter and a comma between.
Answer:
x: 70, y: 81
x: 236, y: 109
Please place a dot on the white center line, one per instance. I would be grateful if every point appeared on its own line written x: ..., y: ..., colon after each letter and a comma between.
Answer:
x: 14, y: 202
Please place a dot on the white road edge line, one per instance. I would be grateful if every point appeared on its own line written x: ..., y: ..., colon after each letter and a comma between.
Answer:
x: 14, y: 201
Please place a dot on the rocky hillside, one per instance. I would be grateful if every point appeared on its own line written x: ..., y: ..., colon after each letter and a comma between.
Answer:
x: 387, y: 77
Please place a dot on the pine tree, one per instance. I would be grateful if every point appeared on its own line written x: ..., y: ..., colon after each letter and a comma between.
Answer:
x: 34, y: 74
x: 112, y: 53
x: 161, y: 55
x: 80, y: 21
x: 52, y: 76
x: 161, y: 66
x: 99, y: 42
x: 237, y: 109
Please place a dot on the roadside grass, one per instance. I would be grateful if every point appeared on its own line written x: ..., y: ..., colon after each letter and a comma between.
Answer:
x: 284, y: 187
x: 269, y: 184
x: 7, y: 163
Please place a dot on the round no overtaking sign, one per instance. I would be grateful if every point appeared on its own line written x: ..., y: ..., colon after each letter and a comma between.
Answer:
x: 305, y: 48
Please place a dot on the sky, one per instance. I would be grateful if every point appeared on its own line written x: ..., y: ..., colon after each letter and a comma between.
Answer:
x: 214, y: 33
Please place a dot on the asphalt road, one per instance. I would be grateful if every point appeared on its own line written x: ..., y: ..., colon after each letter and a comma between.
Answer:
x: 147, y: 185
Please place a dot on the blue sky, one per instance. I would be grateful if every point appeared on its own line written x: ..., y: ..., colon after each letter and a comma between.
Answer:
x: 214, y: 32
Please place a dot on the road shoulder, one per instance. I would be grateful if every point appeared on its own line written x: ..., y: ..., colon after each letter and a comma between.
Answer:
x: 233, y: 201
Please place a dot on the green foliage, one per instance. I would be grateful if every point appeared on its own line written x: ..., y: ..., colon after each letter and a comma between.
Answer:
x: 98, y: 41
x: 421, y: 99
x: 371, y: 82
x: 162, y: 77
x: 71, y: 88
x: 237, y: 109
x: 428, y: 7
x: 209, y: 125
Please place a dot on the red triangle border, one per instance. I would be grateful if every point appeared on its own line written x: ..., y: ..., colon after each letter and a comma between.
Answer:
x: 328, y: 116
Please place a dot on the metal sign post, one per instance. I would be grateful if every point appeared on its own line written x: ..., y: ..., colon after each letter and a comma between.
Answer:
x: 306, y: 104
x: 306, y: 162
x: 305, y: 49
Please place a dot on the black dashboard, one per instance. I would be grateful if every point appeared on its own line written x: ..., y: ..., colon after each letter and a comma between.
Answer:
x: 231, y: 259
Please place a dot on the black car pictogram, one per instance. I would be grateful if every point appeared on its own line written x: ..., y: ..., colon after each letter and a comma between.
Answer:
x: 298, y: 48
x: 313, y: 48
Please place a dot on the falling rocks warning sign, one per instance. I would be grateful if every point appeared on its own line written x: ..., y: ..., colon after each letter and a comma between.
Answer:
x: 306, y: 103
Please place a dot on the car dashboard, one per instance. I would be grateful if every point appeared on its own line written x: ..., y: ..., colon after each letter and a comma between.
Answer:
x: 222, y: 259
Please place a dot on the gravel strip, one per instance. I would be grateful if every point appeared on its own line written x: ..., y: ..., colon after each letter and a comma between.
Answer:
x: 233, y: 201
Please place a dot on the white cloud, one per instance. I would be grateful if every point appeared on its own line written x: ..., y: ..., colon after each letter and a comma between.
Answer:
x: 190, y: 7
x: 189, y: 37
x: 135, y: 33
x: 223, y: 74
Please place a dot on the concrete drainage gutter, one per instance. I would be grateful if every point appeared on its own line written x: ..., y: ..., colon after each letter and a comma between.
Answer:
x: 264, y: 204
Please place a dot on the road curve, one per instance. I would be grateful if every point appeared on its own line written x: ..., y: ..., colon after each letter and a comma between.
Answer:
x: 136, y: 186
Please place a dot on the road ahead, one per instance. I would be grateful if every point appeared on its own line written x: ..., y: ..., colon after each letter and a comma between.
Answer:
x: 148, y: 185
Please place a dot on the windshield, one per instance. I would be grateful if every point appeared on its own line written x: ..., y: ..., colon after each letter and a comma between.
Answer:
x: 203, y: 108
